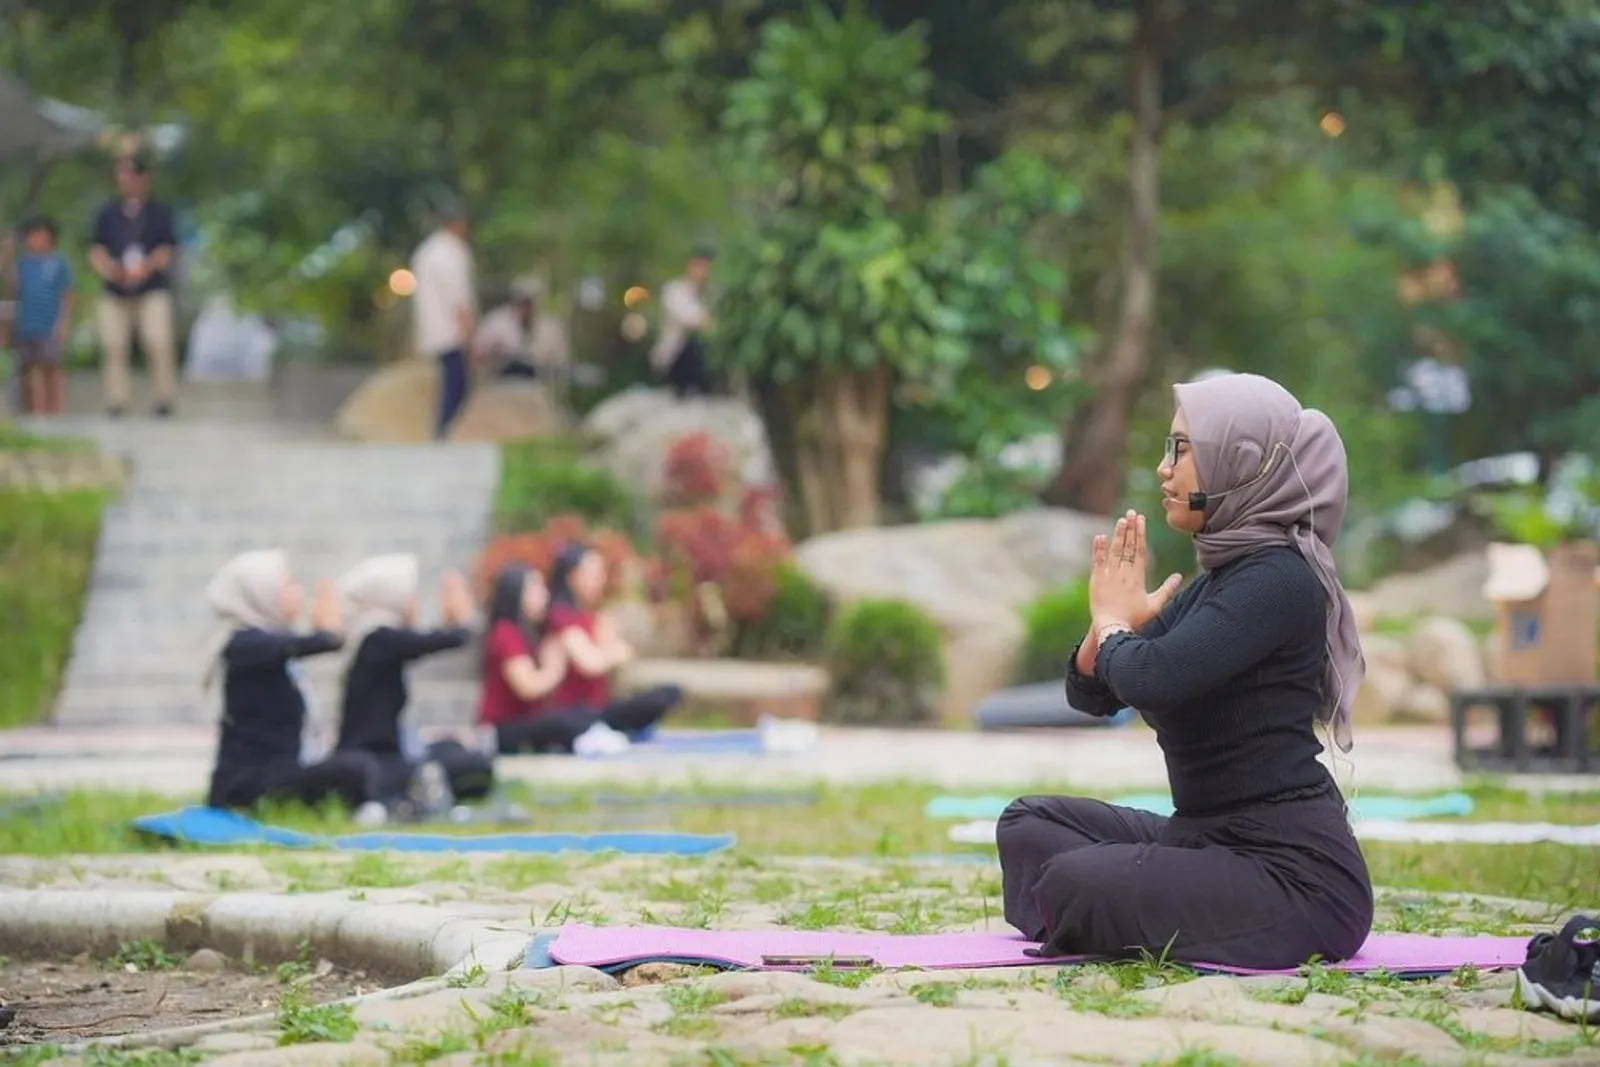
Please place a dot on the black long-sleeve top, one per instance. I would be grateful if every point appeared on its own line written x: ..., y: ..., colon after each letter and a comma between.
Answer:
x: 375, y: 691
x: 1230, y: 678
x: 263, y: 710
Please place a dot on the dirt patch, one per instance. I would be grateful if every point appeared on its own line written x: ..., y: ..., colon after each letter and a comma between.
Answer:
x: 49, y: 1002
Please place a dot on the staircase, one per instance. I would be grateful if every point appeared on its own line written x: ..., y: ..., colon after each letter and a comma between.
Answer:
x: 203, y: 489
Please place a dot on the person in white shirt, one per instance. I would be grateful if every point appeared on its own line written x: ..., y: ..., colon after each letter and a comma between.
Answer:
x: 445, y: 310
x: 677, y: 353
x: 519, y: 339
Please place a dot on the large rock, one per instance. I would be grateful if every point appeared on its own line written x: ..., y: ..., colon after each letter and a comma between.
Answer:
x: 1443, y: 653
x: 1453, y: 588
x: 397, y: 404
x: 634, y: 429
x: 1388, y: 683
x: 972, y: 576
x: 511, y: 410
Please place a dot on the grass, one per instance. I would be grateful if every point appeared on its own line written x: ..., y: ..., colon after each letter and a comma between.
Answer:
x: 882, y: 822
x: 47, y: 543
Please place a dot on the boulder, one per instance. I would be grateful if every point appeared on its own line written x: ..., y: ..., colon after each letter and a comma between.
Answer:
x: 1424, y: 703
x: 745, y: 691
x: 654, y: 630
x: 398, y: 404
x: 1453, y: 588
x: 972, y: 577
x: 1444, y: 654
x: 1388, y: 682
x: 633, y: 430
x: 511, y: 410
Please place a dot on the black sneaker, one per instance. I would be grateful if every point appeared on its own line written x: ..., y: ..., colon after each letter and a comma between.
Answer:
x: 1562, y: 971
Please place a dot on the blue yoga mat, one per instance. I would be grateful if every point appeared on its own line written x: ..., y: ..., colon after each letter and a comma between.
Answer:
x: 210, y: 826
x: 693, y: 742
x: 1389, y: 809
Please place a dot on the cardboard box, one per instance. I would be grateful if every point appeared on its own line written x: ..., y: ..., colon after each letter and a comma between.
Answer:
x: 1547, y: 613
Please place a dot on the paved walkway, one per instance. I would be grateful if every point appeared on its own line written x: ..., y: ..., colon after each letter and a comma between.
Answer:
x: 177, y: 762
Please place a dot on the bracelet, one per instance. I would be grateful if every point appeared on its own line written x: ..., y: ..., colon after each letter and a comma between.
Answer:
x: 1110, y: 627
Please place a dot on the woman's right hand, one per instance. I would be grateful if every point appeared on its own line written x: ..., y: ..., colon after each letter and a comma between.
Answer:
x: 325, y: 614
x: 1132, y: 529
x: 455, y: 600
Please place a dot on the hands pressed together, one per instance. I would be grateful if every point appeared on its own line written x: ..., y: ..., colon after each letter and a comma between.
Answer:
x: 1117, y: 596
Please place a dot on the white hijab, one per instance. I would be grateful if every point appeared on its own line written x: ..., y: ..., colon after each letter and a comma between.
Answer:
x: 247, y: 593
x: 375, y: 593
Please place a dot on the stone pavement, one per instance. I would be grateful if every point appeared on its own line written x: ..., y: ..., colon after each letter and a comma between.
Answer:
x: 176, y: 762
x: 204, y: 488
x: 403, y: 912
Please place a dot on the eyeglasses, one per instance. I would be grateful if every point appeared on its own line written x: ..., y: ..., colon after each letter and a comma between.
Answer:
x: 1169, y: 458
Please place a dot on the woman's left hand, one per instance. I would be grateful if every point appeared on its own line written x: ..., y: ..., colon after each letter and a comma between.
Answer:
x: 1116, y: 581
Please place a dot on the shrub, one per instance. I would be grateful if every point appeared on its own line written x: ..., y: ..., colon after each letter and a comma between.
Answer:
x: 887, y: 665
x: 794, y: 624
x: 1054, y: 624
x: 537, y: 550
x: 47, y: 544
x: 723, y: 566
x: 696, y: 471
x: 543, y: 479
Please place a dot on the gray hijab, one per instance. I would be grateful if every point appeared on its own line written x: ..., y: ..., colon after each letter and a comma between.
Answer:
x: 1287, y: 467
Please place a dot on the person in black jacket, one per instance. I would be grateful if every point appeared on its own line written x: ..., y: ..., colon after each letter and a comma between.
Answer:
x: 1258, y: 866
x: 263, y: 705
x: 380, y: 599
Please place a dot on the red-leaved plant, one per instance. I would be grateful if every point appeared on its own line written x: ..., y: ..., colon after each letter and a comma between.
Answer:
x: 695, y: 471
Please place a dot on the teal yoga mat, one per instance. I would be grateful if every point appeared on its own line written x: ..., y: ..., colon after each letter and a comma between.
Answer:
x: 1388, y: 809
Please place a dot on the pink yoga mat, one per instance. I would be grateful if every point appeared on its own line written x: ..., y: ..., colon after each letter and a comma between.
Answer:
x: 614, y: 946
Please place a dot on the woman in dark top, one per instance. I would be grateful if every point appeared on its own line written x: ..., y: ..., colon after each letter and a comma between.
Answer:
x: 263, y: 706
x: 380, y: 597
x: 594, y: 649
x: 1258, y: 866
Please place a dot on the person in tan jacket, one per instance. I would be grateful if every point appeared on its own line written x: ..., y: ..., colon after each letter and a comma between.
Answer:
x: 677, y: 354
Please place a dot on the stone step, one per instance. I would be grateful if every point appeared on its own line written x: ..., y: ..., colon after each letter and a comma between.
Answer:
x: 199, y: 493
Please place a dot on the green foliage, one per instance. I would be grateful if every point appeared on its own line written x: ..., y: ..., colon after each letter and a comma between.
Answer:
x: 47, y: 545
x: 541, y: 479
x: 1054, y: 624
x: 1525, y: 324
x: 1527, y: 515
x: 831, y: 273
x: 794, y: 624
x: 886, y: 661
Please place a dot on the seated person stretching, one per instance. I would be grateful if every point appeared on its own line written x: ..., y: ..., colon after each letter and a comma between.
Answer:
x: 380, y: 602
x: 594, y: 649
x: 1258, y: 866
x: 263, y: 705
x: 521, y: 666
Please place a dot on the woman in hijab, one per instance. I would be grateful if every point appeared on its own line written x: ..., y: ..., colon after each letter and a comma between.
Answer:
x: 1258, y: 866
x: 380, y: 600
x: 263, y: 706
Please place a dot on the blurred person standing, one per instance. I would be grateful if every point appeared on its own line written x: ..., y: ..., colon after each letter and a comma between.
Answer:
x: 678, y: 354
x: 133, y: 250
x: 445, y: 310
x: 41, y: 282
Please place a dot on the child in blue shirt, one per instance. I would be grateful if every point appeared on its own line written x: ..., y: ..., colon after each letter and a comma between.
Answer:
x: 43, y: 285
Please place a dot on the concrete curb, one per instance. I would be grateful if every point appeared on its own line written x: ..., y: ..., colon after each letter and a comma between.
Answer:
x: 422, y: 945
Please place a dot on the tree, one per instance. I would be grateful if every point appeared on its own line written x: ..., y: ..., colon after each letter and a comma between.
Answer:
x: 1517, y: 69
x: 849, y: 280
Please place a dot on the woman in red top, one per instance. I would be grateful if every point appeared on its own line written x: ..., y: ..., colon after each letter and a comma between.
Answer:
x: 521, y: 667
x: 592, y: 649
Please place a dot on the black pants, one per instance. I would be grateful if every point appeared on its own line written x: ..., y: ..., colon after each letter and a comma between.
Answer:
x: 688, y: 375
x: 350, y: 777
x: 555, y: 731
x: 471, y: 774
x: 1266, y: 887
x: 452, y: 389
